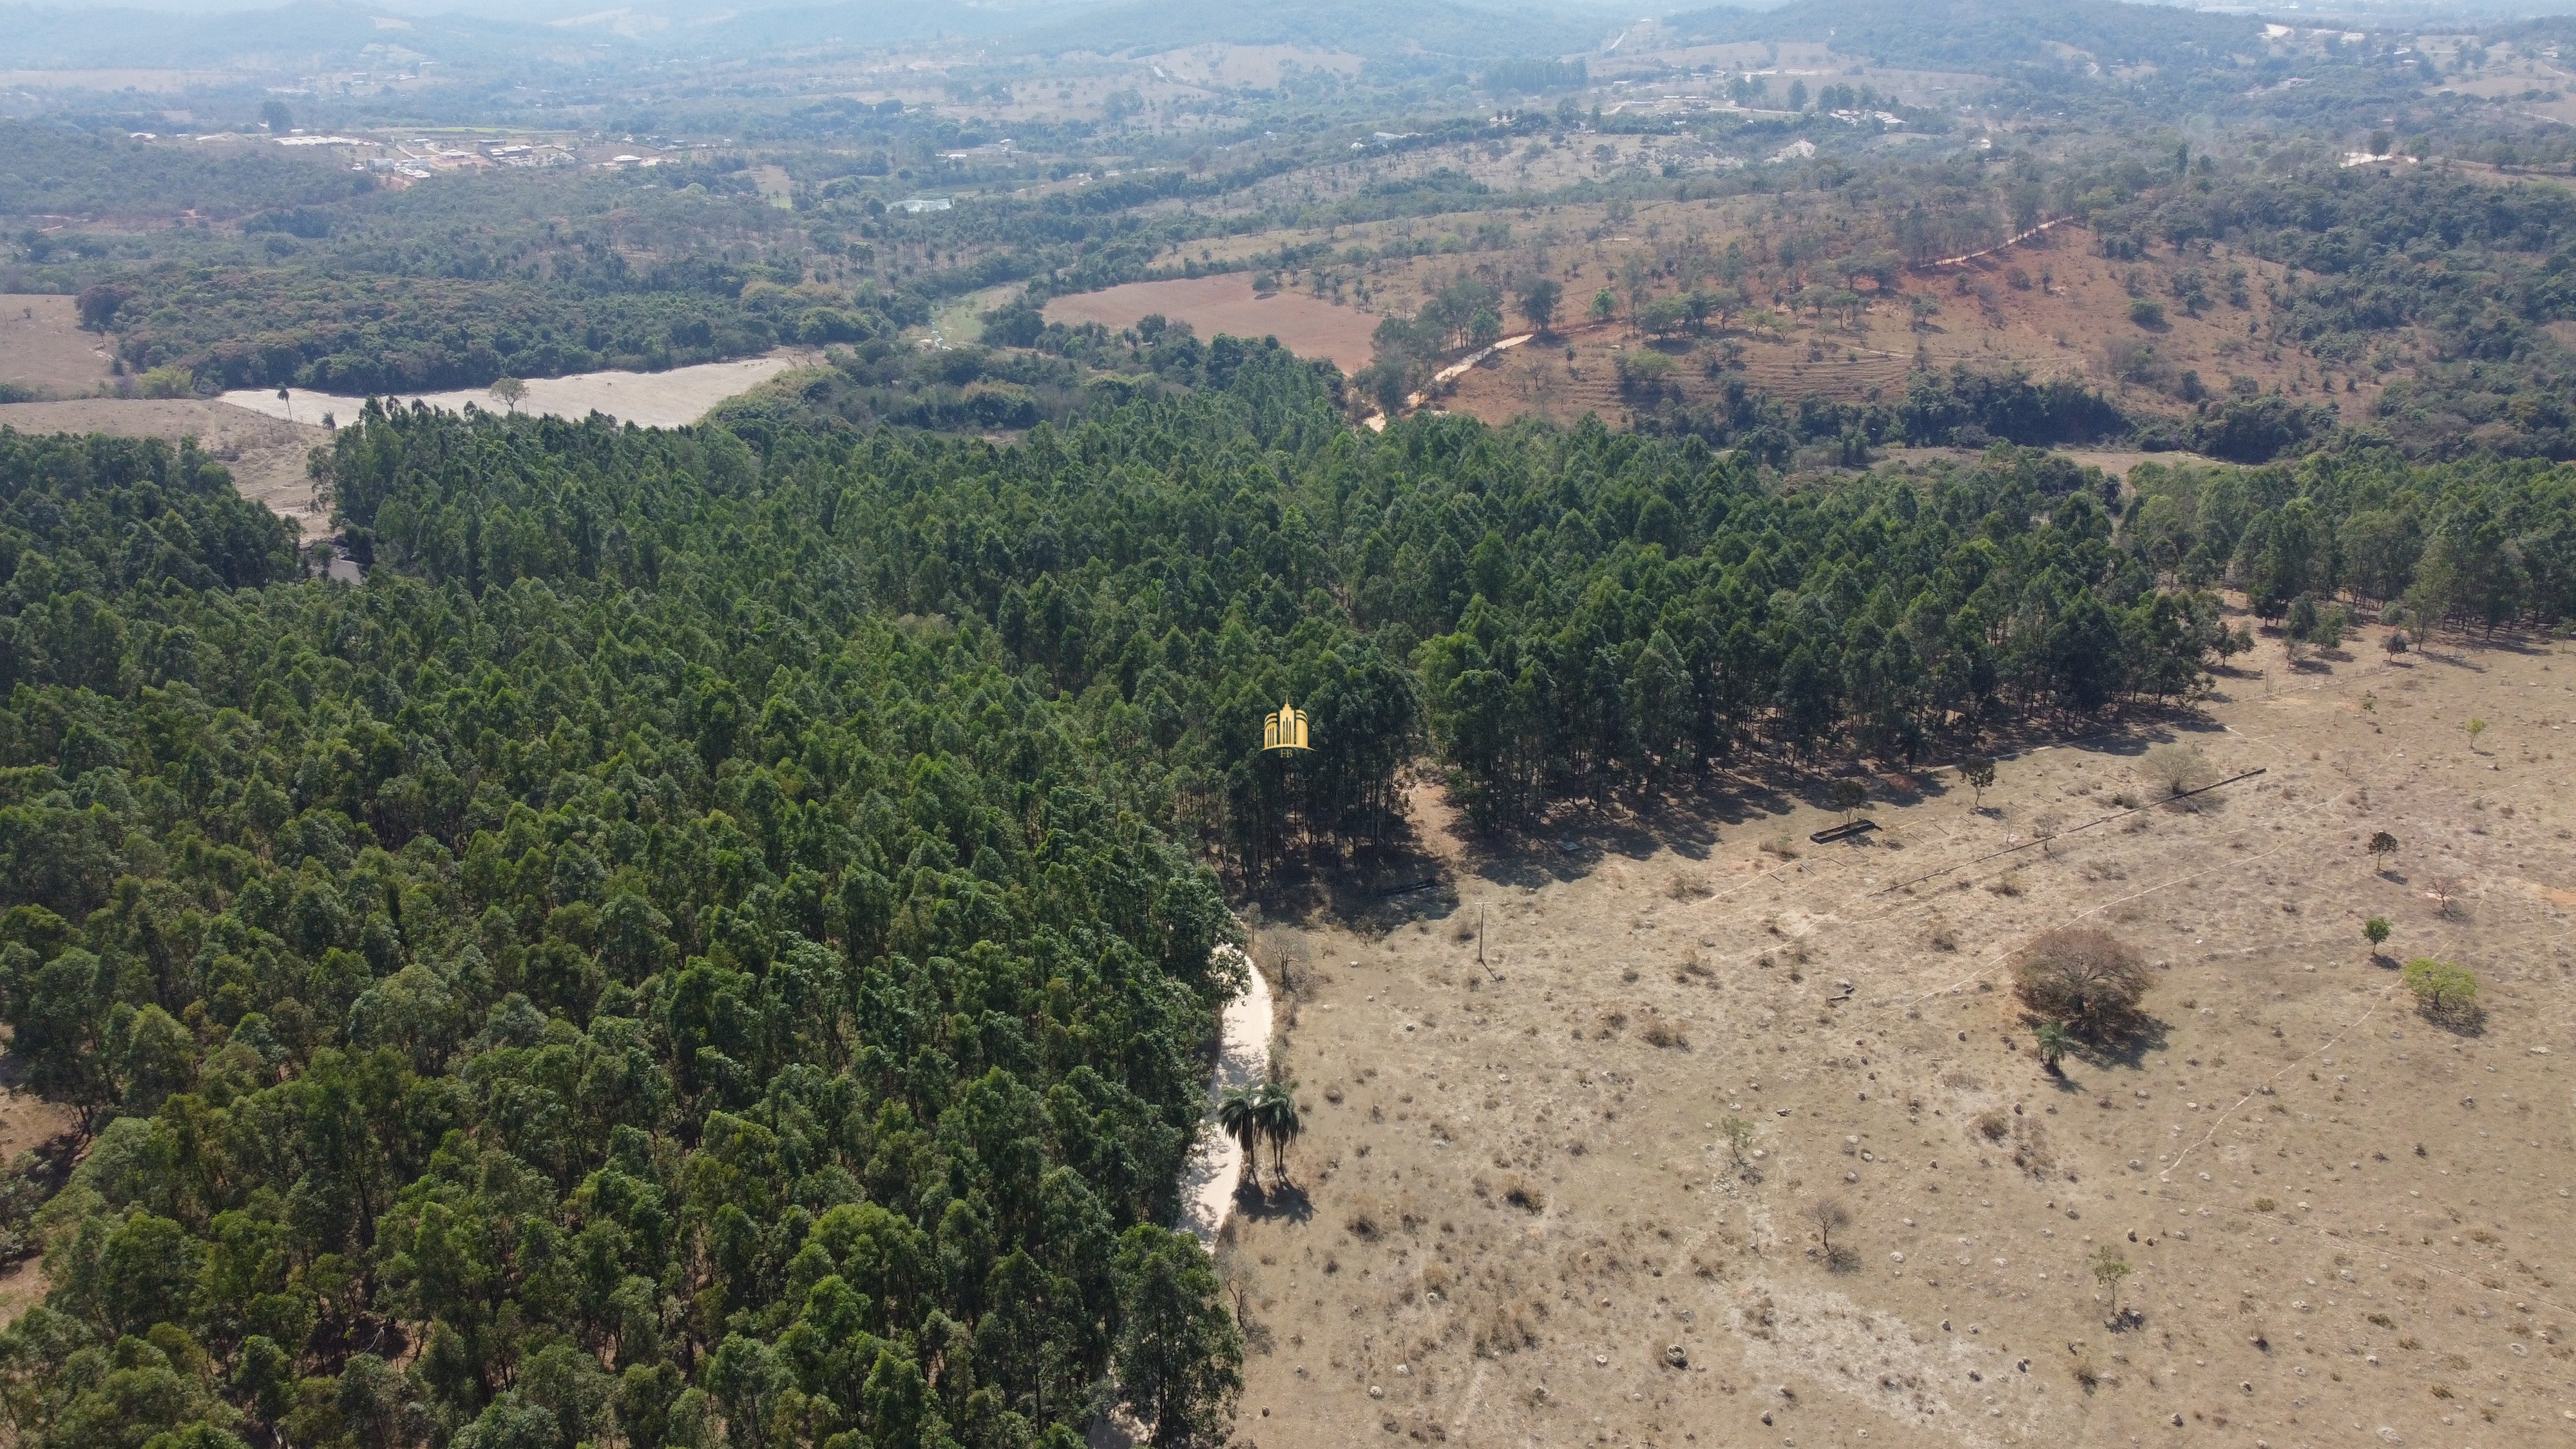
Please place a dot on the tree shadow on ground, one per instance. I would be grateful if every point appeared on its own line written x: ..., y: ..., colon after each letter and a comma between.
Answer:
x: 2137, y: 1037
x: 1413, y: 876
x: 1279, y: 1202
x: 2465, y: 1018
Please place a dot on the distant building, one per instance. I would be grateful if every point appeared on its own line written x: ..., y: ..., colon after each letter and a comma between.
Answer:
x: 916, y: 205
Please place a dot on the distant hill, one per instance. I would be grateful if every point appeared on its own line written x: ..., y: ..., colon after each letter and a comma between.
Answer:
x: 1427, y: 27
x: 36, y: 37
x: 1979, y: 34
x: 205, y: 33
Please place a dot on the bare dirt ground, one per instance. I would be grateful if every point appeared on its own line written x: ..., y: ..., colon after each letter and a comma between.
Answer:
x: 42, y: 346
x: 669, y: 399
x: 2050, y: 307
x: 265, y: 455
x: 1304, y: 324
x: 1517, y: 1217
x: 27, y: 1121
x: 2050, y: 310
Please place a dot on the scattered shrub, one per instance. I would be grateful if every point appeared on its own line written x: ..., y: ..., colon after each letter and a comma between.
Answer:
x: 2173, y: 769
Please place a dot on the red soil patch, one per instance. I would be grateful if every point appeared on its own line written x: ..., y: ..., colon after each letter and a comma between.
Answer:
x: 1308, y: 326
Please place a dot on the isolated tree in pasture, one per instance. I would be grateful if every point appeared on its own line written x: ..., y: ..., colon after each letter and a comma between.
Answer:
x: 1739, y: 1138
x: 1276, y: 1108
x: 2442, y: 989
x: 2383, y: 848
x: 2176, y: 770
x: 1978, y: 772
x: 2108, y: 1269
x: 1238, y: 1115
x: 2083, y: 978
x: 508, y: 391
x: 1538, y: 302
x: 1848, y: 796
x: 1831, y: 1216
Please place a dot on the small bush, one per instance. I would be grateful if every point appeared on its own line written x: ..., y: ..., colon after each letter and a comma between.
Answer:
x: 2087, y: 979
x: 169, y: 380
x: 2173, y: 769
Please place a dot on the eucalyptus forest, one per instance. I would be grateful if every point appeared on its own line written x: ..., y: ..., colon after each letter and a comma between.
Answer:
x: 521, y: 930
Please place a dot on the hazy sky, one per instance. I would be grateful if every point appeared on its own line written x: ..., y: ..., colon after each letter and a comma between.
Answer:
x: 556, y: 9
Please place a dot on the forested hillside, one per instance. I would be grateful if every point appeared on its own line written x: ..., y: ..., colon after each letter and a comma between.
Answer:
x: 691, y: 1001
x: 710, y: 944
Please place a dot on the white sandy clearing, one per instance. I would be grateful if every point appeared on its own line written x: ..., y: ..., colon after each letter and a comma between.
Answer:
x: 669, y: 399
x: 1215, y: 1167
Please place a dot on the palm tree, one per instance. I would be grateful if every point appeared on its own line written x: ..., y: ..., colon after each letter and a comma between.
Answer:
x: 2054, y: 1044
x: 1276, y: 1109
x: 1239, y: 1114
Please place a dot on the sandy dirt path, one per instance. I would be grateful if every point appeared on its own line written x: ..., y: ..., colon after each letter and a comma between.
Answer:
x: 1243, y: 1059
x: 647, y: 399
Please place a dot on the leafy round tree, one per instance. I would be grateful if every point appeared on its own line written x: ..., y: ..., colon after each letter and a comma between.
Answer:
x: 1979, y: 773
x: 1848, y: 796
x: 1538, y: 303
x: 2443, y: 990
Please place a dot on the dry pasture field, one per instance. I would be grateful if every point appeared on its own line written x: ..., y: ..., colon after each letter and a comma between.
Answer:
x: 1517, y: 1216
x: 1304, y: 324
x: 2050, y: 309
x: 43, y: 348
x: 27, y: 1121
x: 265, y: 455
x: 673, y: 398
